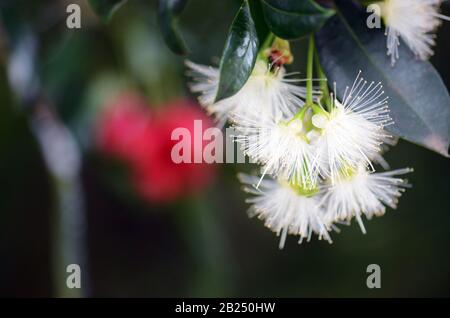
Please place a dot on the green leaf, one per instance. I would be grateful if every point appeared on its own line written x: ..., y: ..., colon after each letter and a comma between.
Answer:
x: 239, y: 55
x: 293, y: 19
x: 418, y: 100
x: 258, y: 17
x: 168, y: 12
x: 106, y: 8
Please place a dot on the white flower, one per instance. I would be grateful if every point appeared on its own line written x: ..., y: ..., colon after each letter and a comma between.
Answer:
x: 378, y: 158
x: 268, y: 91
x: 205, y: 82
x: 285, y: 210
x: 359, y: 192
x: 414, y: 21
x: 352, y: 132
x: 281, y: 146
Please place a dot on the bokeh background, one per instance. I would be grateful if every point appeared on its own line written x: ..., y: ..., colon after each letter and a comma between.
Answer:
x: 78, y: 186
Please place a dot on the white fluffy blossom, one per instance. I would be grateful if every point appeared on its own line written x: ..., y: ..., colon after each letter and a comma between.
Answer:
x: 360, y: 192
x: 281, y: 146
x: 268, y: 91
x: 319, y: 158
x: 414, y: 21
x: 285, y: 210
x: 352, y: 132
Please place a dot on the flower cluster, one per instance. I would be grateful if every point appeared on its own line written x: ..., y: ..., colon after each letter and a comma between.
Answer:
x: 317, y: 152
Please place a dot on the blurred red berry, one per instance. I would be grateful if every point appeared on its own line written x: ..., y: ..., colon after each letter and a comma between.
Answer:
x: 142, y: 139
x: 121, y: 124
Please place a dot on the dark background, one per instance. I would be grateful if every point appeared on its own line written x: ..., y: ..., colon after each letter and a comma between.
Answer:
x: 204, y: 246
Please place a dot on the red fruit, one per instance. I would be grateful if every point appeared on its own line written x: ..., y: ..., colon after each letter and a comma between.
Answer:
x: 129, y: 132
x: 121, y: 124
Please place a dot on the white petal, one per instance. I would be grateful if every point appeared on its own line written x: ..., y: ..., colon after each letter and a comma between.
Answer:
x: 363, y: 193
x: 414, y: 21
x: 284, y: 211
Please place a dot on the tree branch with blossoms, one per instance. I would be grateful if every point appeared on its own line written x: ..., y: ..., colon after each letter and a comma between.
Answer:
x: 320, y: 141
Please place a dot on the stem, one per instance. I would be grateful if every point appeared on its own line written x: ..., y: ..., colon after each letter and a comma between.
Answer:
x: 69, y: 218
x: 318, y: 110
x: 62, y: 157
x: 323, y: 82
x: 267, y: 43
x: 300, y: 114
x: 322, y: 77
x: 269, y: 40
x: 309, y: 71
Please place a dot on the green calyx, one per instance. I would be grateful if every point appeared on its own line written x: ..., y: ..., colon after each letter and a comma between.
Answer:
x: 318, y: 110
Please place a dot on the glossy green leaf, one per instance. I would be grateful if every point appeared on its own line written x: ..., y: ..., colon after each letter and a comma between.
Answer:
x: 258, y: 17
x: 106, y: 8
x: 239, y: 55
x: 292, y: 19
x: 168, y: 12
x: 418, y: 100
